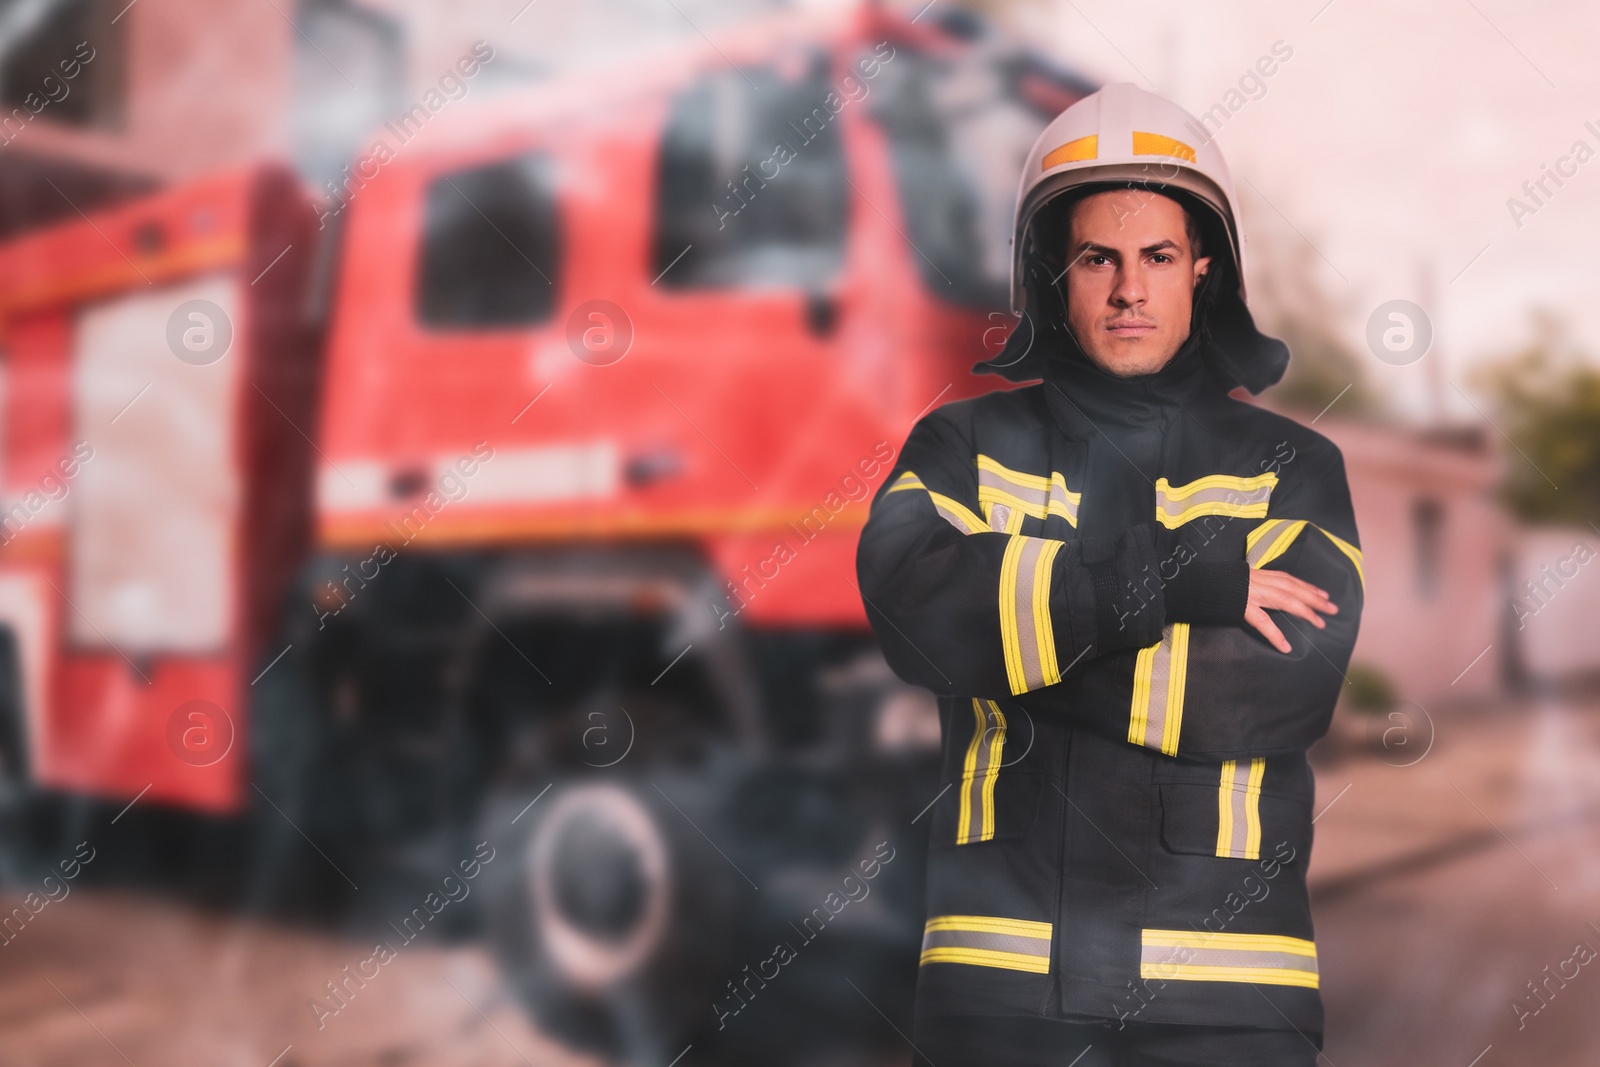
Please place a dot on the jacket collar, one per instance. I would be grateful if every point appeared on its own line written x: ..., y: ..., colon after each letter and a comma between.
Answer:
x: 1085, y: 400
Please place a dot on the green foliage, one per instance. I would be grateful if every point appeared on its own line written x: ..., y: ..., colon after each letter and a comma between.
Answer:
x: 1320, y: 369
x: 1289, y: 304
x: 1545, y: 397
x: 1370, y: 690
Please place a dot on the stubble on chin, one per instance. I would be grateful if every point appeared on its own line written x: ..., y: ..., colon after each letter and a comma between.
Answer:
x: 1129, y: 364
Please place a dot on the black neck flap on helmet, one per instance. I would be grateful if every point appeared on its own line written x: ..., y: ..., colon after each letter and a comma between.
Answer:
x: 1236, y: 351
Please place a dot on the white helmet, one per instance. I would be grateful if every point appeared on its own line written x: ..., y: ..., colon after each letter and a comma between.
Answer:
x: 1123, y: 135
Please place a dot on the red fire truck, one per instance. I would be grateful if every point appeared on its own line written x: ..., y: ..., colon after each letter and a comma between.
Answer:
x: 510, y: 494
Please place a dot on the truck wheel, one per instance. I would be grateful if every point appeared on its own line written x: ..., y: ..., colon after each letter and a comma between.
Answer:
x: 17, y: 818
x: 613, y: 918
x: 295, y: 790
x: 19, y: 803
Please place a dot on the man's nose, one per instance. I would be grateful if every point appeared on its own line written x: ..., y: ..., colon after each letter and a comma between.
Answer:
x: 1130, y: 289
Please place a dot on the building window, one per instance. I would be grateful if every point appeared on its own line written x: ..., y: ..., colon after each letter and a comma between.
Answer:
x: 751, y: 188
x: 491, y: 246
x: 1427, y: 519
x: 62, y: 62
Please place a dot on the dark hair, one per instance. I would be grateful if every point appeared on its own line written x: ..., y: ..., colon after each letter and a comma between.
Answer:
x: 1060, y: 225
x: 1192, y: 228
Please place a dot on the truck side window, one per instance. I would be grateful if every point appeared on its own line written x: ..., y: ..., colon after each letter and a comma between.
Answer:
x: 751, y: 188
x: 959, y: 133
x: 491, y: 246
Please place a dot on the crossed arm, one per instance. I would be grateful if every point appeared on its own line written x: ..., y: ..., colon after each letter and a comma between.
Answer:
x: 962, y: 609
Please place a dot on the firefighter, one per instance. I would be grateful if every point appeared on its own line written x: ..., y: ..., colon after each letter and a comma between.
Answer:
x: 1135, y: 596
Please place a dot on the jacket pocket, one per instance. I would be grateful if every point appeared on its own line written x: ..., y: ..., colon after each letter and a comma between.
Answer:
x: 1234, y: 818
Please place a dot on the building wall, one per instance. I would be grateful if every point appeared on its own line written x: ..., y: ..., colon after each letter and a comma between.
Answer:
x: 207, y: 83
x: 1556, y: 595
x: 1430, y: 639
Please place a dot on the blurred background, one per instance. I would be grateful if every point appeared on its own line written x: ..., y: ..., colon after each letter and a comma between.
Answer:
x: 433, y: 439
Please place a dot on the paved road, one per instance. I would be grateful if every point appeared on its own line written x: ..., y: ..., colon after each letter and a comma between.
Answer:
x: 1439, y: 889
x: 113, y: 979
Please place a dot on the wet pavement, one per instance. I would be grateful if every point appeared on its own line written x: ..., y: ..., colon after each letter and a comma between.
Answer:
x: 116, y: 979
x: 1442, y: 887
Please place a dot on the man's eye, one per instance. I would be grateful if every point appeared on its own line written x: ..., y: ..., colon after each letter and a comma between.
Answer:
x: 1161, y: 257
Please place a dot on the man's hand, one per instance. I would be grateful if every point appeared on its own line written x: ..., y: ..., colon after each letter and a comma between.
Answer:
x: 1284, y: 592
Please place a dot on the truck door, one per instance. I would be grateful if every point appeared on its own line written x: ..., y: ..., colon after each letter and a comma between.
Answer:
x: 748, y: 271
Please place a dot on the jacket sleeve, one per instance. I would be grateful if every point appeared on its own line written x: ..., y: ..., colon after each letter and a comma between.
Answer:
x: 1221, y: 691
x: 962, y: 609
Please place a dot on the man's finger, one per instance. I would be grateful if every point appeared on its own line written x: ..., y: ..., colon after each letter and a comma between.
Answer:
x: 1314, y: 596
x: 1282, y: 589
x: 1286, y: 581
x: 1294, y: 605
x: 1261, y: 621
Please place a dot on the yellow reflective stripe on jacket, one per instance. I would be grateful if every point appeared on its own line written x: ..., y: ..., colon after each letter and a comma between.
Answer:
x: 1239, y: 809
x: 1272, y: 539
x: 953, y: 511
x: 1026, y: 634
x: 1029, y: 494
x: 1003, y: 518
x: 1187, y: 955
x: 987, y: 941
x: 1159, y: 675
x: 979, y: 773
x: 908, y: 480
x: 957, y: 514
x: 1215, y: 494
x: 1350, y: 550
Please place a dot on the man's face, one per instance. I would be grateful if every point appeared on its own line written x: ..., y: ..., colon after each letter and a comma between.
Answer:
x: 1130, y: 279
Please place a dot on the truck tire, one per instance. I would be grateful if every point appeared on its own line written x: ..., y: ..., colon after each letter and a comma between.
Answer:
x: 24, y: 813
x: 296, y: 794
x: 614, y: 918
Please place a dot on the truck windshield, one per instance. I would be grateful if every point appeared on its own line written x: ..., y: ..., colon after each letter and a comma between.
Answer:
x: 751, y: 190
x: 959, y: 132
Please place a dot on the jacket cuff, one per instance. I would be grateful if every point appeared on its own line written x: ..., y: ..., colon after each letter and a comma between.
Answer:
x: 1128, y: 599
x: 1209, y: 592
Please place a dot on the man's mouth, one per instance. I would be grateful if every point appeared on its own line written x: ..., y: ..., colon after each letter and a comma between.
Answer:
x: 1131, y: 327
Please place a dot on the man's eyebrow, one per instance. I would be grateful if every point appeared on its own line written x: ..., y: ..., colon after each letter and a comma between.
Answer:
x: 1160, y: 246
x: 1090, y: 248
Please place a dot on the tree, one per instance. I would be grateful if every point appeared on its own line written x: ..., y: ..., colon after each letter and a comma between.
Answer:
x: 1290, y: 304
x: 1545, y: 397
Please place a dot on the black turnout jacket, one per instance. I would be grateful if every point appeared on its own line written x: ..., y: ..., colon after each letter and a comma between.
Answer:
x: 1126, y: 814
